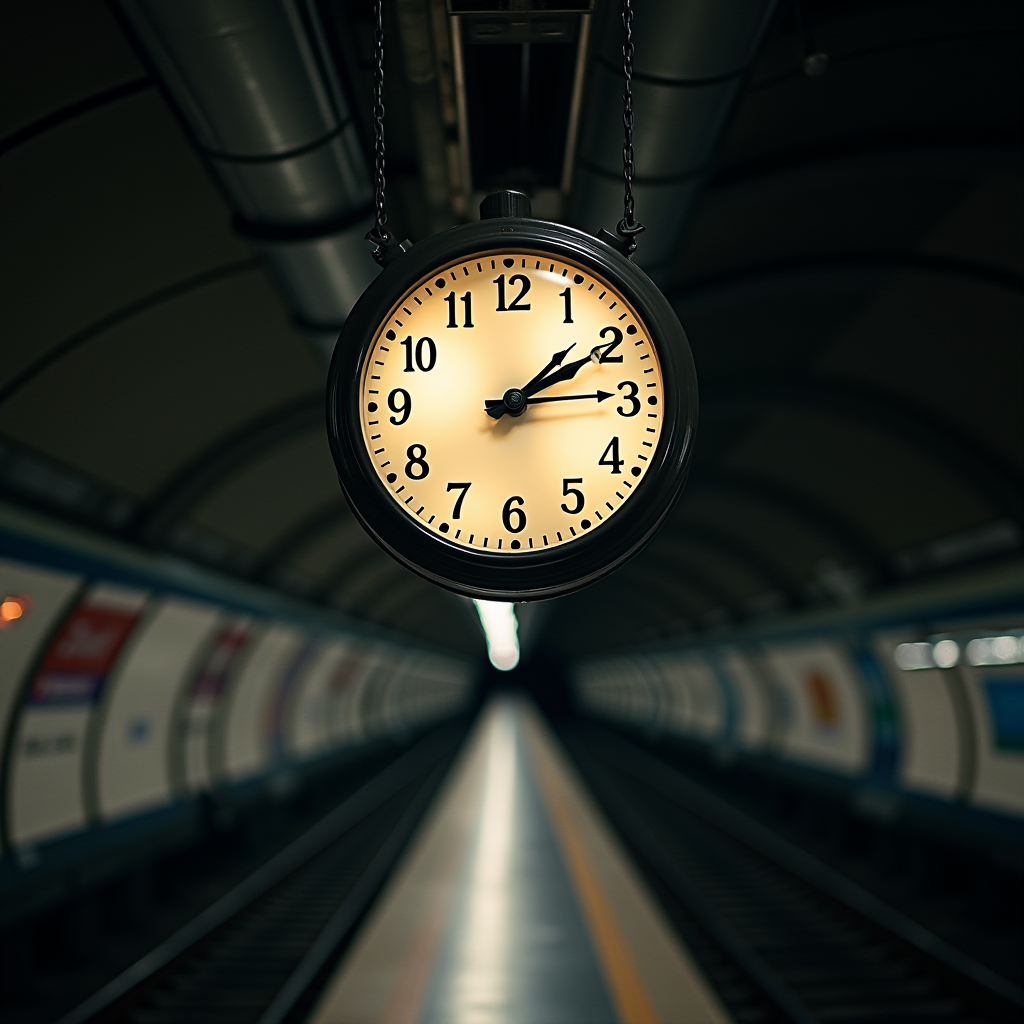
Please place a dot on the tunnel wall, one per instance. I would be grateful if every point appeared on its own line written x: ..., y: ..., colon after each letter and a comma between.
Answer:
x: 830, y: 706
x: 133, y: 701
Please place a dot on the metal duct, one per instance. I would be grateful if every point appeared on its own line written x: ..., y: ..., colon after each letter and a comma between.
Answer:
x: 690, y: 59
x: 254, y: 81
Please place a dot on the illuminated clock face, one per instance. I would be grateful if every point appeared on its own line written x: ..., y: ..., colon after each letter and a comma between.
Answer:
x: 512, y: 402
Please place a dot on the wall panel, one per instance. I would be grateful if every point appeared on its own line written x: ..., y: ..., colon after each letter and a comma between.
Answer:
x: 46, y: 794
x: 134, y: 749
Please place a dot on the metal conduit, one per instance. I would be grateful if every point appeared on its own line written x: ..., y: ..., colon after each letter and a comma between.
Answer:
x: 253, y: 79
x: 691, y: 56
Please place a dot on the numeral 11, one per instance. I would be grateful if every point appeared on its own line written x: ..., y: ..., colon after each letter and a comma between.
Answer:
x: 467, y: 301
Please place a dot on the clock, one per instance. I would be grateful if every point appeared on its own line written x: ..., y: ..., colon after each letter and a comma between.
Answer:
x: 511, y: 407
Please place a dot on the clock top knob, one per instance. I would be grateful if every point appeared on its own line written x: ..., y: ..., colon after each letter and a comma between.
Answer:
x: 506, y: 204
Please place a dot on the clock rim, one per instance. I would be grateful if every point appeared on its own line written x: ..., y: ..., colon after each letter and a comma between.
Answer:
x: 541, y: 573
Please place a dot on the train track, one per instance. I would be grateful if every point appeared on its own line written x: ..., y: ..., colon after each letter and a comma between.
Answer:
x: 259, y: 954
x: 780, y: 935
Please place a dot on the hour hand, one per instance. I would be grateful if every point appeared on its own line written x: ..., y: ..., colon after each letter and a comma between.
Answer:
x: 556, y: 360
x: 567, y: 372
x: 514, y: 401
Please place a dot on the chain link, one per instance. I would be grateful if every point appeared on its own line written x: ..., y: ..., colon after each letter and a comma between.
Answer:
x: 379, y: 235
x: 628, y: 227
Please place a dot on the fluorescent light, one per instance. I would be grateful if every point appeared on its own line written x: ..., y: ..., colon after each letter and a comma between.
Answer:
x: 911, y: 657
x: 499, y: 621
x: 946, y: 653
x: 982, y: 650
x: 995, y: 650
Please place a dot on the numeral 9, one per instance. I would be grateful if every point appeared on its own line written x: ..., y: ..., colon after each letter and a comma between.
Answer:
x: 399, y: 401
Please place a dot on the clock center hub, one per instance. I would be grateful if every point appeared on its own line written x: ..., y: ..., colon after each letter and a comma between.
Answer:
x: 515, y: 401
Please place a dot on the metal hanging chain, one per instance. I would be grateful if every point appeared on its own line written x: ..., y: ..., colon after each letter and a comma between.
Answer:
x: 629, y: 227
x: 379, y: 235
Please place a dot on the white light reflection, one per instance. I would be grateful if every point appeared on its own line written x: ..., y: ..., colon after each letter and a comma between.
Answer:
x: 483, y: 982
x: 499, y: 621
x: 911, y: 657
x: 946, y: 653
x: 995, y: 650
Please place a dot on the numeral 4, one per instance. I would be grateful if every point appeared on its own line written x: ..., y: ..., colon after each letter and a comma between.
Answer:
x: 610, y: 456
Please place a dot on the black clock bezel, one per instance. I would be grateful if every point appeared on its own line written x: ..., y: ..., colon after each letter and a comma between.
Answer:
x: 528, y: 575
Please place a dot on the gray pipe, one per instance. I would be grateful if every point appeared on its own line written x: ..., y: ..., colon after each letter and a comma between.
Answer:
x: 689, y: 64
x: 254, y: 81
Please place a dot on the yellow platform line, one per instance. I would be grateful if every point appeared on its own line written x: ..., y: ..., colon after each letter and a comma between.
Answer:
x: 632, y: 1002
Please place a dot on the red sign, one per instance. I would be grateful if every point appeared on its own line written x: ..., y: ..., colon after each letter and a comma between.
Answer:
x: 213, y: 674
x: 80, y: 658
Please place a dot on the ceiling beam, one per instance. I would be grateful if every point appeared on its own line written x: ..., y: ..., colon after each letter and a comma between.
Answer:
x: 209, y: 469
x: 346, y: 568
x: 698, y: 579
x: 61, y: 349
x: 821, y: 519
x: 311, y: 527
x: 982, y: 469
x: 945, y: 156
x: 73, y: 110
x: 739, y: 550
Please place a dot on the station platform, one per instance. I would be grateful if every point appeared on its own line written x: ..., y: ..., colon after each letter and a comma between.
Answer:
x: 515, y: 903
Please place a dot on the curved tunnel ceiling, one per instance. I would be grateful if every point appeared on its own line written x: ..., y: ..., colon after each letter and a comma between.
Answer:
x: 851, y: 281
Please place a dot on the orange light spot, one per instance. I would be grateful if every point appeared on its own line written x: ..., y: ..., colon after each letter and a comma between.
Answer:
x: 824, y: 703
x: 12, y: 608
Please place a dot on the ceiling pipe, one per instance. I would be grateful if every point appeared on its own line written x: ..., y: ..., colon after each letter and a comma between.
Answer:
x: 254, y: 82
x: 690, y: 59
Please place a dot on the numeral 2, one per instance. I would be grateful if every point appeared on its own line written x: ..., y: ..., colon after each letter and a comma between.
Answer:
x: 606, y: 356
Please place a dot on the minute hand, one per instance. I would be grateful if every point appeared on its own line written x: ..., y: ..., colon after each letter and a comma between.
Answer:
x: 567, y: 372
x: 599, y: 395
x: 496, y: 406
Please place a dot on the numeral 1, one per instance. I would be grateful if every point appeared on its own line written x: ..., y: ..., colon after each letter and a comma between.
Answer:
x: 567, y: 295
